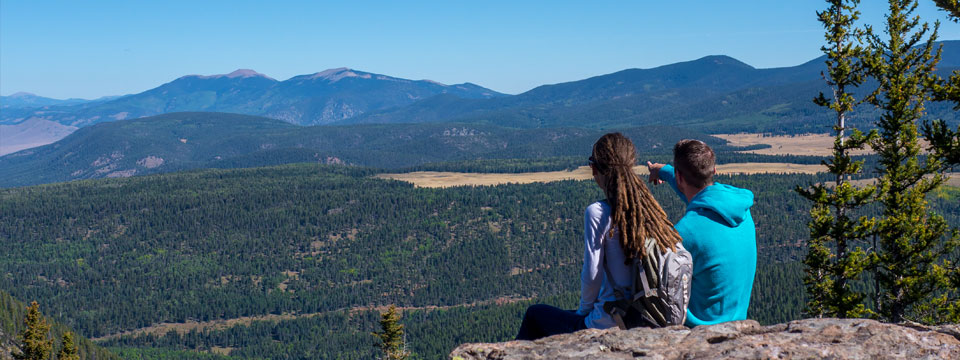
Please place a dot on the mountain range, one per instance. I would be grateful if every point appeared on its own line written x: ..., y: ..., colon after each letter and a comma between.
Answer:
x: 714, y: 94
x: 376, y: 120
x: 313, y: 99
x: 27, y: 100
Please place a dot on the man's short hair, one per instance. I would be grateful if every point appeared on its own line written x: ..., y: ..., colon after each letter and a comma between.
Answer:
x: 695, y: 161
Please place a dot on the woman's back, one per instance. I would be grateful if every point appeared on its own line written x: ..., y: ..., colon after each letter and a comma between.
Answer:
x: 600, y: 250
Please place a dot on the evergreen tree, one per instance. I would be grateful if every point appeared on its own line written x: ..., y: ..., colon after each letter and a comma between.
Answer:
x: 944, y: 142
x: 952, y: 7
x: 68, y: 350
x: 391, y: 335
x: 832, y: 228
x: 912, y: 271
x: 36, y: 345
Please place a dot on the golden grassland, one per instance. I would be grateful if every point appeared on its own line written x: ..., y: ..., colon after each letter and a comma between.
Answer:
x: 953, y: 179
x: 441, y: 179
x: 438, y: 179
x: 806, y: 144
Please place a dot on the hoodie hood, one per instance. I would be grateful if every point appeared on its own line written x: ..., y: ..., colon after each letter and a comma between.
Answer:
x: 731, y: 203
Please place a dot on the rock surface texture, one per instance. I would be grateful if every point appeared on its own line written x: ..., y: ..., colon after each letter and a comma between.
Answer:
x: 6, y: 346
x: 801, y: 339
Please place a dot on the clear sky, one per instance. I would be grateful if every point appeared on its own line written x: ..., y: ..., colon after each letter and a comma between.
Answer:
x: 89, y: 49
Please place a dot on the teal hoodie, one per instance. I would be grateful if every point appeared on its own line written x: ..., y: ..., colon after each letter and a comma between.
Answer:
x: 719, y: 232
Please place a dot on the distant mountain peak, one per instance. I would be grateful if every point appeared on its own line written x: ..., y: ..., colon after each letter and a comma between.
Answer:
x: 334, y: 75
x: 244, y: 73
x: 722, y: 60
x: 22, y: 94
x: 239, y: 73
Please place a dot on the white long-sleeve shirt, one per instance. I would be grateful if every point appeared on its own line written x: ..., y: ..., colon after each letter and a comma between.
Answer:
x: 595, y: 288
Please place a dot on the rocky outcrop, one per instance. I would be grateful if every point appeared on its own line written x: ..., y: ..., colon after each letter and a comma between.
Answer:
x: 7, y: 346
x: 803, y: 339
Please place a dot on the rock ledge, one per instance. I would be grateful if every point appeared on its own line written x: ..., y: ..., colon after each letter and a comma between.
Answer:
x: 804, y: 339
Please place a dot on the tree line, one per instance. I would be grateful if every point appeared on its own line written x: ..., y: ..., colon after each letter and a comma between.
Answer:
x: 908, y: 249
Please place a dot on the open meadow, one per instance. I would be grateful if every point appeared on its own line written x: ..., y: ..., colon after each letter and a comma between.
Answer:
x: 783, y: 145
x: 800, y: 145
x: 805, y: 144
x: 441, y: 179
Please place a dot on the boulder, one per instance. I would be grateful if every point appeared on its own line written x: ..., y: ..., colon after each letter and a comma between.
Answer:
x: 801, y: 339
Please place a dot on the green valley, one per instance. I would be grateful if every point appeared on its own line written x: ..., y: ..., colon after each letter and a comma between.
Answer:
x: 116, y: 255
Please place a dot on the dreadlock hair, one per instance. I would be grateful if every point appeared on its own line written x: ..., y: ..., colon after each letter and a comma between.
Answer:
x: 635, y: 213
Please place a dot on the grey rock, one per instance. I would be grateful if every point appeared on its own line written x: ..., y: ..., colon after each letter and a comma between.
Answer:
x: 801, y: 339
x: 7, y: 346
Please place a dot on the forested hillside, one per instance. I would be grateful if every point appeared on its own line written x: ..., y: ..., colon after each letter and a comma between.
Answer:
x: 114, y: 255
x: 180, y: 141
x: 12, y: 312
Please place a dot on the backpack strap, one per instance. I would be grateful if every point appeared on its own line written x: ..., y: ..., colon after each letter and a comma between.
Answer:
x: 647, y: 291
x: 617, y: 316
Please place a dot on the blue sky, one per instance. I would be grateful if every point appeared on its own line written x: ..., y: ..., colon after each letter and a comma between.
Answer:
x: 90, y: 49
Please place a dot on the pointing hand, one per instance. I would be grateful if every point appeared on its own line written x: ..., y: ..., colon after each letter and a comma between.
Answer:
x: 655, y: 172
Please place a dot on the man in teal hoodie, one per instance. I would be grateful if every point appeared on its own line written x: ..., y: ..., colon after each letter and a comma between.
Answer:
x: 718, y: 231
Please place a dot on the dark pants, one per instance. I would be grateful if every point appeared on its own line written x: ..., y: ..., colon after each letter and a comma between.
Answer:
x: 545, y: 320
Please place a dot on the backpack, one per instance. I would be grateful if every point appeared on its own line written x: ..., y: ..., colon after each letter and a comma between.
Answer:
x: 659, y: 289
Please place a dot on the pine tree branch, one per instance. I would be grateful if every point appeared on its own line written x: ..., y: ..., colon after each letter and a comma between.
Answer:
x: 952, y: 7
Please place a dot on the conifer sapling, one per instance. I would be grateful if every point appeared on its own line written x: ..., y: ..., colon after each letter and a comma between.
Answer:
x: 831, y: 263
x: 35, y: 343
x: 914, y: 244
x: 68, y: 350
x: 391, y: 335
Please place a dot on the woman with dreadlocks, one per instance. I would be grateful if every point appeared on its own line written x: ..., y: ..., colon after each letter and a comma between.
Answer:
x: 615, y: 232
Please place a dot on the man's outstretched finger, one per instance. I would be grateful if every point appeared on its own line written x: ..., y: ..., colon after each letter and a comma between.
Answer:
x: 654, y: 174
